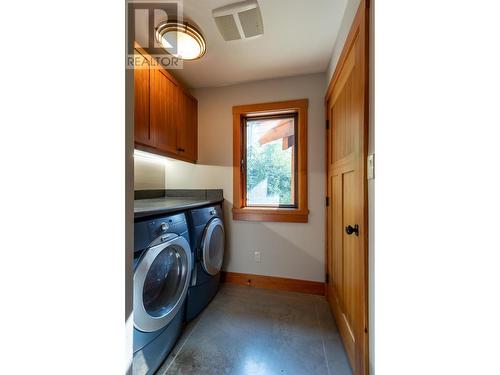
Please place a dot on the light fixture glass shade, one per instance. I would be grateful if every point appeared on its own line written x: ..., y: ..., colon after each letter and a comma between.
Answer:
x: 181, y: 40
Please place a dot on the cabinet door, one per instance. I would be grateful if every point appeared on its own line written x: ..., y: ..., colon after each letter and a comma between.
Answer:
x: 165, y: 98
x: 187, y: 131
x: 142, y: 94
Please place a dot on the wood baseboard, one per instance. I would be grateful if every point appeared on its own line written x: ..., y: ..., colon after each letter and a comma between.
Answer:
x: 271, y: 282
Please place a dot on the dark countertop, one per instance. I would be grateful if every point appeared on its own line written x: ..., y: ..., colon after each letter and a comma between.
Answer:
x: 156, y: 206
x: 151, y: 203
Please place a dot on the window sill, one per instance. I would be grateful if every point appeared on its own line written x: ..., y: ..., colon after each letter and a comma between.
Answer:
x: 287, y: 215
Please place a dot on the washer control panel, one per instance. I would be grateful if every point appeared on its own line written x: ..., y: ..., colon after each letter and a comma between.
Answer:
x: 159, y: 229
x: 169, y: 224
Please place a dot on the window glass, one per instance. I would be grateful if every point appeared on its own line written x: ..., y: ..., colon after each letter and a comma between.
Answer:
x: 270, y: 161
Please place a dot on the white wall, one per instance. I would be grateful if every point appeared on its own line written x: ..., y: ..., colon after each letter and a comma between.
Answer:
x: 294, y: 250
x: 149, y: 173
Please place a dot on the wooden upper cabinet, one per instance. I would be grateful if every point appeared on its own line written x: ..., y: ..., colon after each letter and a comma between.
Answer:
x: 142, y: 89
x: 164, y: 112
x: 187, y: 130
x: 166, y: 115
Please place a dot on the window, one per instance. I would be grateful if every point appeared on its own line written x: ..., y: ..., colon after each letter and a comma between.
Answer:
x: 270, y: 161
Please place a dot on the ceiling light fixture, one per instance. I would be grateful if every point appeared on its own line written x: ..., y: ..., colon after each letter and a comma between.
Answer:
x: 181, y: 39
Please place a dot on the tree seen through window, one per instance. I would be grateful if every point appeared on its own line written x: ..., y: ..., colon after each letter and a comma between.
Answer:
x: 270, y: 144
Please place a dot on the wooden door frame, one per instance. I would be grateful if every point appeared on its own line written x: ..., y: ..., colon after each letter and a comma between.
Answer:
x: 359, y: 25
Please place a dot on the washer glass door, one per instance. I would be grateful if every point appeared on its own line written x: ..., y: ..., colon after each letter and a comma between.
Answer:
x: 160, y: 284
x: 213, y: 246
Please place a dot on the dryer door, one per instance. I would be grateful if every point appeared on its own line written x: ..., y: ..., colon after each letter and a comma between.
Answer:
x: 160, y: 284
x: 212, y: 246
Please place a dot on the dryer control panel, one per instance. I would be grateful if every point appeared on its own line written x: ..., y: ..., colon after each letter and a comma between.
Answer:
x: 201, y: 216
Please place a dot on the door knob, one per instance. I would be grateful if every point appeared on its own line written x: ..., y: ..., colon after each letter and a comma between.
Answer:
x: 350, y: 229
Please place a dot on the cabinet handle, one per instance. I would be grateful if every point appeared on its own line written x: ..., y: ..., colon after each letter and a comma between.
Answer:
x: 181, y: 150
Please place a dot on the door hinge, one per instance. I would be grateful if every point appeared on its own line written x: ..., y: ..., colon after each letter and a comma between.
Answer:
x: 327, y: 278
x: 327, y: 201
x: 327, y: 124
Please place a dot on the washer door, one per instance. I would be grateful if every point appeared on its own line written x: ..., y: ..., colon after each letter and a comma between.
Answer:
x: 161, y: 281
x: 212, y: 246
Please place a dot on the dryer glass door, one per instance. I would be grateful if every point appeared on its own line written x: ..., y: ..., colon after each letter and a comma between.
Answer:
x: 160, y: 284
x: 213, y: 246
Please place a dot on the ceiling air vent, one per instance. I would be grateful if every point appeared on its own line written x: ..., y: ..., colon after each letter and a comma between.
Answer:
x: 239, y: 21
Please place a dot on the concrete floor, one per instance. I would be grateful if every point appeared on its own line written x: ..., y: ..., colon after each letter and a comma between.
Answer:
x: 247, y: 331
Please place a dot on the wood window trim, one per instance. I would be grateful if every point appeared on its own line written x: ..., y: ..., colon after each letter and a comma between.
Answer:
x: 272, y: 214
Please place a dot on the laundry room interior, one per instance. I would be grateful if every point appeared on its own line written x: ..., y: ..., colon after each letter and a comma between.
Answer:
x: 237, y: 107
x: 192, y: 187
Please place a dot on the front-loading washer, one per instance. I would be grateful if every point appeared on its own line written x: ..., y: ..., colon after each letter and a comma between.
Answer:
x: 163, y: 265
x: 206, y: 230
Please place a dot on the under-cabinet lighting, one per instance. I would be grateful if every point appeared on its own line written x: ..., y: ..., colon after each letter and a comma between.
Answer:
x: 151, y: 157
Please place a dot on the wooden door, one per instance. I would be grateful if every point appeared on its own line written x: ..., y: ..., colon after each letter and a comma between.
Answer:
x: 142, y: 85
x: 164, y: 112
x: 346, y: 107
x: 187, y: 131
